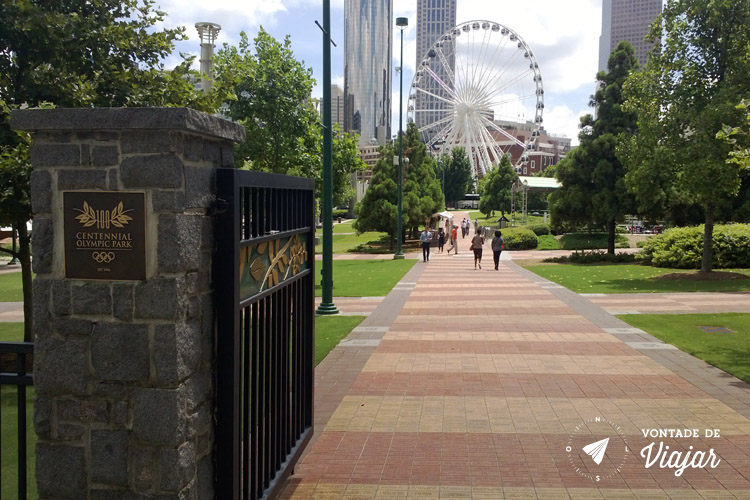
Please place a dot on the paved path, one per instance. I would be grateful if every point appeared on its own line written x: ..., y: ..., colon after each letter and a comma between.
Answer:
x: 672, y: 303
x: 488, y: 384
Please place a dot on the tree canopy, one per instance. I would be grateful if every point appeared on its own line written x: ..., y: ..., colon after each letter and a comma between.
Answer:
x: 422, y: 197
x: 79, y: 53
x: 268, y: 91
x: 495, y: 187
x: 592, y: 176
x: 454, y: 170
x: 687, y: 91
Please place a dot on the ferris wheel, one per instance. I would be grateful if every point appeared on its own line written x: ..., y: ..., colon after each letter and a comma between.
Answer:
x: 479, y: 87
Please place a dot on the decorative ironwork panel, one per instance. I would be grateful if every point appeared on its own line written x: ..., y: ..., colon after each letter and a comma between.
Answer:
x: 265, y: 330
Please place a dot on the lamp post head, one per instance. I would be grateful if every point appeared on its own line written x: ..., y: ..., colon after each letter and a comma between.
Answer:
x: 402, y: 22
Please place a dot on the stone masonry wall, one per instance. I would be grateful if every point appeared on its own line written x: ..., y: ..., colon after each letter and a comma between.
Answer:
x: 124, y: 370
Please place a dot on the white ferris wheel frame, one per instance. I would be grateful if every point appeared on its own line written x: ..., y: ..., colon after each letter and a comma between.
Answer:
x: 469, y: 97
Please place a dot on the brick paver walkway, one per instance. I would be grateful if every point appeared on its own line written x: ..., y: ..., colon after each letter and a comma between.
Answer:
x: 488, y: 384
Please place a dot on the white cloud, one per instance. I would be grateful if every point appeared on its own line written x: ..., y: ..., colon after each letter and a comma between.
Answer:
x: 563, y: 35
x: 561, y: 120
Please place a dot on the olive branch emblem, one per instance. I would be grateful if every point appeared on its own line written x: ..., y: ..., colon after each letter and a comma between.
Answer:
x: 283, y: 262
x: 103, y: 218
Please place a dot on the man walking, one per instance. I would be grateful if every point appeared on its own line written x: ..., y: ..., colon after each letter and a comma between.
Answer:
x: 425, y: 238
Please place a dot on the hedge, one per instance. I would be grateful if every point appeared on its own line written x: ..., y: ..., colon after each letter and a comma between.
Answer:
x: 519, y: 238
x: 539, y: 229
x: 591, y: 241
x: 682, y: 247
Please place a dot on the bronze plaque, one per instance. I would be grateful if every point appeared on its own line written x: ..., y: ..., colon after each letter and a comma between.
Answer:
x: 105, y: 235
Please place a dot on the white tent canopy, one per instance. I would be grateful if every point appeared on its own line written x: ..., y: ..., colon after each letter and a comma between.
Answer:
x: 444, y: 215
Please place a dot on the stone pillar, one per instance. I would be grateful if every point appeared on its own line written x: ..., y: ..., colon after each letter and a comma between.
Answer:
x: 124, y: 369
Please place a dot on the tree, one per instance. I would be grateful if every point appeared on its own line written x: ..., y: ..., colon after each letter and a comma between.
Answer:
x: 346, y: 160
x: 686, y: 93
x: 495, y: 187
x: 422, y: 194
x: 268, y: 92
x: 79, y: 53
x: 270, y: 96
x: 378, y: 209
x: 593, y: 179
x: 422, y: 197
x: 454, y: 170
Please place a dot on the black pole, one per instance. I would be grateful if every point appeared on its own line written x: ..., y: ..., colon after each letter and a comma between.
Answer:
x: 326, y: 305
x: 401, y: 22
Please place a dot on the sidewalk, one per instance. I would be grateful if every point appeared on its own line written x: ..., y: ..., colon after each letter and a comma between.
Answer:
x: 488, y: 384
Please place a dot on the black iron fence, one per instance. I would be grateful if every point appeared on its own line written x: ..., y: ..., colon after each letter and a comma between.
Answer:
x: 265, y: 330
x: 14, y: 363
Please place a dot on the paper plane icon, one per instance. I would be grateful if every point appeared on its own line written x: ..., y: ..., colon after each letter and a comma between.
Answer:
x: 596, y: 450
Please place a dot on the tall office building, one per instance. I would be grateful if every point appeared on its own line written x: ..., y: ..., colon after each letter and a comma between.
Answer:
x: 368, y: 35
x: 627, y: 20
x: 434, y: 17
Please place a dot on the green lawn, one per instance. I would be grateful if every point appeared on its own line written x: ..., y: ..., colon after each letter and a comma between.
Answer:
x: 366, y: 278
x: 343, y: 243
x: 547, y: 242
x: 630, y: 278
x: 11, y: 332
x: 11, y: 287
x: 344, y: 227
x: 329, y: 330
x: 727, y: 351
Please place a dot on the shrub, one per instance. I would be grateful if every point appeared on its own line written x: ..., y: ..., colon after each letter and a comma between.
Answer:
x: 547, y: 242
x: 591, y: 241
x: 344, y: 214
x: 539, y: 229
x: 519, y: 238
x: 595, y: 257
x: 682, y: 247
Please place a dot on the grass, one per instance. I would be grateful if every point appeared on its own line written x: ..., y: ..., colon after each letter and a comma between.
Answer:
x: 344, y: 227
x: 630, y: 278
x: 11, y: 332
x: 726, y: 351
x: 547, y: 242
x: 366, y: 278
x: 329, y: 330
x: 343, y: 243
x: 589, y: 241
x: 11, y: 287
x: 9, y: 440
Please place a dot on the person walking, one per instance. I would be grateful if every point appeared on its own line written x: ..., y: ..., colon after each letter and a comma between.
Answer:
x: 454, y: 240
x: 425, y: 238
x: 498, y: 245
x: 476, y: 227
x: 464, y: 227
x: 477, y: 243
x: 441, y: 240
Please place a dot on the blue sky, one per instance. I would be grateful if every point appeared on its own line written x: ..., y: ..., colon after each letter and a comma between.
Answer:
x: 563, y: 34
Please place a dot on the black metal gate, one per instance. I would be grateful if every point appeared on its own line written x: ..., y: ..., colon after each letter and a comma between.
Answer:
x: 14, y: 363
x: 265, y: 330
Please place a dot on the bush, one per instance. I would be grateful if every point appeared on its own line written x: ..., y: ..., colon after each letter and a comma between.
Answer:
x: 539, y: 229
x: 595, y: 257
x: 591, y: 241
x: 519, y: 238
x: 344, y: 214
x: 547, y: 242
x: 682, y: 247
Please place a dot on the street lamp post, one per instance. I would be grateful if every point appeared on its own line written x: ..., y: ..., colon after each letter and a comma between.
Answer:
x: 326, y: 305
x: 401, y: 22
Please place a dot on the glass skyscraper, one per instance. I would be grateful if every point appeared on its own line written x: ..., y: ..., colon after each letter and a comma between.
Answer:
x: 627, y: 20
x: 434, y: 17
x: 368, y: 35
